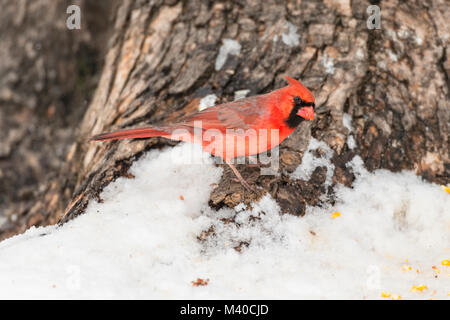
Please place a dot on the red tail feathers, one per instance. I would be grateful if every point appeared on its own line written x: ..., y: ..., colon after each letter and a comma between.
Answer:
x: 131, y: 134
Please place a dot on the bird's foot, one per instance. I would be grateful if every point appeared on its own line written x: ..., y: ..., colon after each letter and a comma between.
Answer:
x: 245, y: 184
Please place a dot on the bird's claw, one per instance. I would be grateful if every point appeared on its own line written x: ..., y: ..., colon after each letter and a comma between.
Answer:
x: 244, y: 184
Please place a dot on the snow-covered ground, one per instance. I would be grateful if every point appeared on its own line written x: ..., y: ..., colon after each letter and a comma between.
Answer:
x: 141, y: 242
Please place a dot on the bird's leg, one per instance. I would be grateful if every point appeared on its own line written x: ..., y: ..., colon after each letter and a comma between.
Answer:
x: 256, y: 163
x: 253, y: 162
x: 238, y: 175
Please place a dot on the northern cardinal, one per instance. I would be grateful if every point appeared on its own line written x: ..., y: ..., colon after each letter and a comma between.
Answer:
x: 280, y: 111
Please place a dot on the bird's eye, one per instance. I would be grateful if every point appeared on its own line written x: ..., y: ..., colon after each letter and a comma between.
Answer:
x: 302, y: 103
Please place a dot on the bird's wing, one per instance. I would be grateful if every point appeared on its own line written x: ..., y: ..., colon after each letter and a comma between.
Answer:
x: 240, y: 114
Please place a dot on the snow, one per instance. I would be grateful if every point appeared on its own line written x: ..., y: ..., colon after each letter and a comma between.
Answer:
x: 228, y: 47
x: 328, y: 64
x: 360, y: 53
x: 210, y: 99
x: 291, y: 38
x: 142, y: 241
x: 347, y: 122
x: 310, y: 162
x: 419, y: 40
x: 357, y: 165
x: 351, y: 142
x: 207, y: 101
x: 392, y: 55
x: 239, y: 94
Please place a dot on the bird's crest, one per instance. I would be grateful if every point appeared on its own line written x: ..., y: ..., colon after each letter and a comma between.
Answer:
x: 303, y: 91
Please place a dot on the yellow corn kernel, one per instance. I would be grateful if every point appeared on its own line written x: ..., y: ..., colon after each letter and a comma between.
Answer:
x: 446, y: 189
x: 336, y: 214
x: 406, y: 268
x: 386, y: 294
x: 436, y: 269
x: 419, y: 288
x: 445, y: 262
x: 396, y: 297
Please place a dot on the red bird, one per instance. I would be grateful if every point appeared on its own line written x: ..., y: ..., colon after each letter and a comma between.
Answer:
x: 258, y: 117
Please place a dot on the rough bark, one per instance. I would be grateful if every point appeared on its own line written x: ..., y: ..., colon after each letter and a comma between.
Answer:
x: 161, y: 60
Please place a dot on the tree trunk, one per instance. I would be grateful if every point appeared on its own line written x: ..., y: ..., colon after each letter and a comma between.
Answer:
x: 47, y: 76
x: 391, y: 83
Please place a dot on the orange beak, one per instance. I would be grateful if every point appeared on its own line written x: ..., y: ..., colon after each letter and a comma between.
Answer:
x: 306, y: 112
